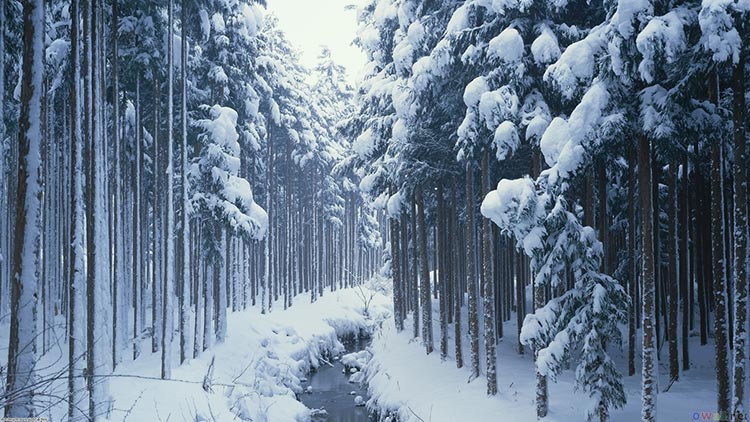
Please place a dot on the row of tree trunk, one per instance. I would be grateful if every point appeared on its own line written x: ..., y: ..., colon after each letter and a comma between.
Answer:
x: 97, y: 224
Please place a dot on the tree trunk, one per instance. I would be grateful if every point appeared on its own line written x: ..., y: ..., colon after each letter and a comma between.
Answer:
x: 413, y: 286
x: 21, y: 351
x: 471, y: 280
x: 119, y: 318
x: 221, y: 278
x: 648, y: 371
x: 489, y: 292
x: 457, y: 291
x: 740, y: 238
x: 440, y: 234
x: 167, y: 309
x: 686, y: 283
x: 674, y: 364
x: 396, y: 274
x: 718, y: 265
x: 156, y: 273
x: 77, y: 264
x: 632, y: 265
x: 98, y: 283
x: 426, y: 298
x: 184, y: 241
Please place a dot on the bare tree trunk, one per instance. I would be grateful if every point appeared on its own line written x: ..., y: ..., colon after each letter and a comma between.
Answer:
x: 440, y: 234
x: 648, y: 372
x: 702, y: 248
x: 167, y: 307
x: 458, y: 292
x: 118, y: 319
x: 413, y: 285
x: 221, y: 278
x: 156, y: 273
x: 471, y: 275
x: 77, y: 264
x: 489, y: 292
x: 6, y: 164
x: 685, y: 281
x: 632, y: 265
x: 98, y: 282
x: 426, y: 298
x: 674, y: 364
x: 21, y: 350
x: 396, y: 274
x: 718, y: 265
x: 184, y: 242
x: 740, y: 238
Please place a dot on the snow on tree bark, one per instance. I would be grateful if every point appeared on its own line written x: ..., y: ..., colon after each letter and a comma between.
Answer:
x: 471, y: 276
x: 489, y: 292
x: 168, y: 291
x: 719, y: 265
x: 740, y: 267
x: 77, y: 271
x: 183, y: 275
x: 22, y: 357
x: 424, y: 291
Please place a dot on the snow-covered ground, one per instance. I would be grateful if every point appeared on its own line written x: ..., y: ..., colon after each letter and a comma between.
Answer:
x: 256, y: 373
x: 419, y: 388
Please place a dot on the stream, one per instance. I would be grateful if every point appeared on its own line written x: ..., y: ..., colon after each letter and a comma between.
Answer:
x: 332, y: 391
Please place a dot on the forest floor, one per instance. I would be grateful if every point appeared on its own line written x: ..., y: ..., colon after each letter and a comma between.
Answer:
x: 261, y: 368
x: 257, y: 372
x: 419, y: 388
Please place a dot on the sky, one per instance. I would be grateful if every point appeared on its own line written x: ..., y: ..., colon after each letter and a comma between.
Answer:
x: 310, y: 24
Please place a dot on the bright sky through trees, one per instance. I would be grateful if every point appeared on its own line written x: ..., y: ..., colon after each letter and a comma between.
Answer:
x: 310, y: 24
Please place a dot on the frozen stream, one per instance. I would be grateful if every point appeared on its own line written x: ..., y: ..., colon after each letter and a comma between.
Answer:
x: 332, y: 391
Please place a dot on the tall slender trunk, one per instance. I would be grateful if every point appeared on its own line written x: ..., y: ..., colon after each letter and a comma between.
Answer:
x: 458, y: 292
x: 426, y: 298
x: 718, y: 265
x: 685, y: 281
x: 77, y: 265
x: 414, y: 284
x: 220, y: 270
x: 184, y: 241
x: 674, y: 364
x: 648, y: 371
x: 209, y: 273
x: 118, y: 320
x: 739, y: 170
x: 198, y: 282
x: 396, y: 274
x: 5, y: 171
x: 21, y: 351
x: 440, y: 235
x: 702, y: 246
x: 140, y: 203
x: 489, y: 293
x: 156, y: 273
x: 98, y: 283
x: 471, y: 274
x: 632, y: 265
x: 167, y: 307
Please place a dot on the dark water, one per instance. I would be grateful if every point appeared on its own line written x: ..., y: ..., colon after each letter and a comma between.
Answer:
x: 331, y: 390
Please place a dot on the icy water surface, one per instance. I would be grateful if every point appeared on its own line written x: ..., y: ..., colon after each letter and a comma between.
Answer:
x: 331, y: 391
